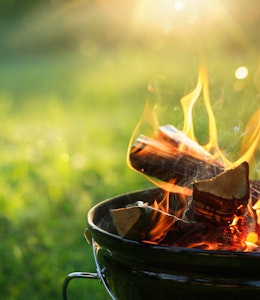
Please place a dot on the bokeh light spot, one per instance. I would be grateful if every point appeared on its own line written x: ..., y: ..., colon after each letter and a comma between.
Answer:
x: 78, y: 161
x: 241, y: 72
x: 238, y: 85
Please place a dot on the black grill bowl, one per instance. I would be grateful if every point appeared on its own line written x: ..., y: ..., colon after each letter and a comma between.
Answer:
x: 136, y: 271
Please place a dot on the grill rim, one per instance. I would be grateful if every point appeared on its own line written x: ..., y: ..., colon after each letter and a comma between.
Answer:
x: 98, y: 232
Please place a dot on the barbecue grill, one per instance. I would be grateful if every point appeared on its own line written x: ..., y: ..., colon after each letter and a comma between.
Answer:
x: 132, y: 270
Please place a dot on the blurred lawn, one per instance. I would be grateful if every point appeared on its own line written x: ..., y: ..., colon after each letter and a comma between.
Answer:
x: 63, y: 148
x: 67, y: 112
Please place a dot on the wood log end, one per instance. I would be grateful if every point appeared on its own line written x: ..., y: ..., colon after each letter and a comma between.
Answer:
x: 221, y: 197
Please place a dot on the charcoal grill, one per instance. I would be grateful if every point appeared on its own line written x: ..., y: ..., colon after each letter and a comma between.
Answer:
x: 132, y: 270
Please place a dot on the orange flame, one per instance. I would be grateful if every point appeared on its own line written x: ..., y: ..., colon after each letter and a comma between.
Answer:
x: 161, y: 220
x: 251, y: 135
x: 188, y: 103
x: 251, y: 138
x: 250, y: 142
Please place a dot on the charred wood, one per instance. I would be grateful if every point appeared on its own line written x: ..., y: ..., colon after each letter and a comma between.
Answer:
x: 140, y: 222
x: 220, y: 198
x: 171, y: 155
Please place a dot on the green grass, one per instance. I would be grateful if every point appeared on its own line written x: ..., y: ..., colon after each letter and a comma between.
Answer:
x: 65, y: 122
x: 63, y: 149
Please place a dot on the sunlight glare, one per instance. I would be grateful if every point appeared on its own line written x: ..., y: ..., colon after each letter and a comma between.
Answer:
x: 176, y: 15
x: 179, y: 5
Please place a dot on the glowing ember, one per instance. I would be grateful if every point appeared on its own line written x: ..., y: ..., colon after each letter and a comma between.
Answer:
x: 219, y: 207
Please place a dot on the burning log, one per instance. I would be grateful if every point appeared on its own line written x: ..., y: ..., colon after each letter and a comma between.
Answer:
x: 201, y: 235
x: 255, y: 190
x: 146, y: 224
x: 172, y: 155
x: 218, y: 218
x: 140, y: 222
x: 218, y: 199
x: 222, y: 212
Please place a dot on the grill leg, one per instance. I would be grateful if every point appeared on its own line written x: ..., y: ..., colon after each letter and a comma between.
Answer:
x: 100, y: 272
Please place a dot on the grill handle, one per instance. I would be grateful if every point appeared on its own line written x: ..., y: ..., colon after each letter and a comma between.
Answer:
x: 99, y: 275
x: 73, y: 275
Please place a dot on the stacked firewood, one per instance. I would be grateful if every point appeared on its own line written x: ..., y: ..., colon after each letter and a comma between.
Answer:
x: 218, y: 215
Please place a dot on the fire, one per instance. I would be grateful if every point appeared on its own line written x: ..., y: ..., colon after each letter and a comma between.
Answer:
x: 251, y: 135
x: 256, y: 207
x: 188, y: 103
x: 162, y: 218
x: 252, y: 238
x: 163, y: 224
x: 250, y: 141
x: 167, y: 142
